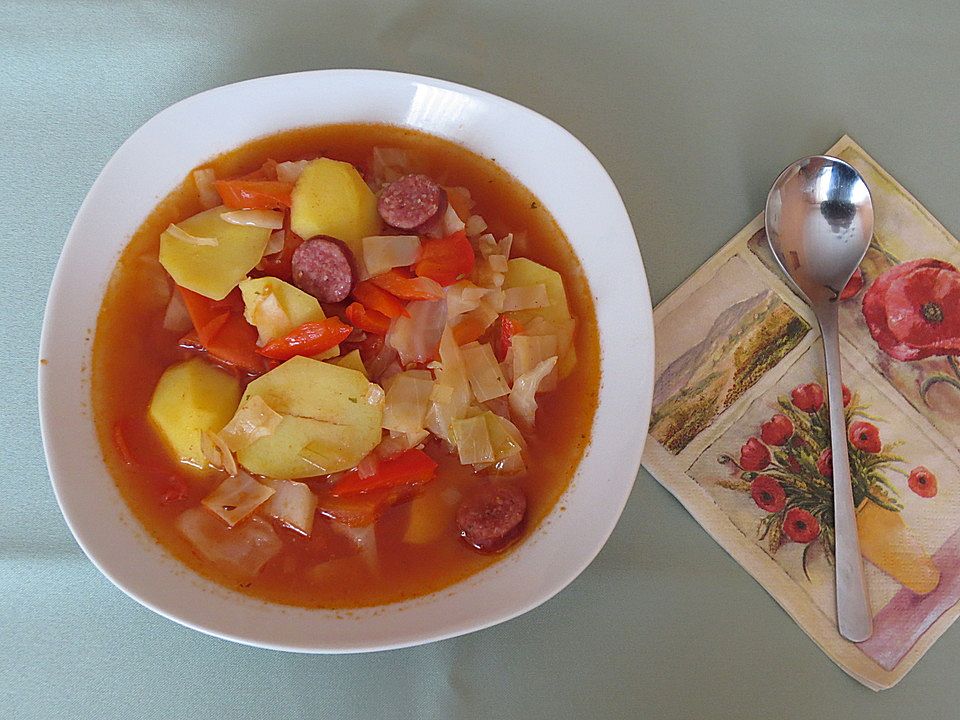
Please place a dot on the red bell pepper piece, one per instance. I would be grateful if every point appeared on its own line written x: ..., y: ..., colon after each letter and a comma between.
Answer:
x: 508, y: 328
x: 379, y: 300
x: 367, y: 320
x: 308, y: 339
x: 254, y: 194
x: 446, y: 259
x: 411, y: 467
x: 402, y: 285
x: 223, y: 331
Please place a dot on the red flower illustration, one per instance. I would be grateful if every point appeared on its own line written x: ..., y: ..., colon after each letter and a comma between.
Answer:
x: 853, y: 286
x: 808, y: 398
x: 767, y: 494
x: 800, y: 526
x: 913, y: 310
x: 754, y: 455
x: 921, y: 481
x: 825, y: 463
x: 794, y: 464
x: 777, y: 430
x: 846, y: 395
x: 864, y: 436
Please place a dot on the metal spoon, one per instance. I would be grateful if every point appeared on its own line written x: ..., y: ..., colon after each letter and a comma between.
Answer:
x: 819, y: 220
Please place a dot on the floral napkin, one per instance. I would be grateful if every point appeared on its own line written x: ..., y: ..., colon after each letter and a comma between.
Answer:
x: 739, y: 430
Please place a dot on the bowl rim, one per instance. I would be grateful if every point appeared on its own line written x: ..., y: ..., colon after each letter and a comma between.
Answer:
x: 77, y: 514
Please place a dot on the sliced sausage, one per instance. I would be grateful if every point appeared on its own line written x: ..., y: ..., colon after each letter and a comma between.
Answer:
x: 411, y: 202
x: 491, y: 518
x: 323, y: 267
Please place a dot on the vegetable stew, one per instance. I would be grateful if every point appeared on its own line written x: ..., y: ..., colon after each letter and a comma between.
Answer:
x: 344, y: 366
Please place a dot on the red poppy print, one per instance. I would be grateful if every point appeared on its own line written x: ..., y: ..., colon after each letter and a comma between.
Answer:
x: 777, y: 430
x: 808, y: 398
x: 825, y: 463
x: 800, y: 526
x: 864, y: 436
x: 913, y: 310
x: 847, y: 397
x: 922, y: 482
x: 768, y: 494
x: 754, y: 455
x: 853, y: 286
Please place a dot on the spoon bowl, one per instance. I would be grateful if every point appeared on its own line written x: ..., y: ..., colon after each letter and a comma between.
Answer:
x: 819, y: 220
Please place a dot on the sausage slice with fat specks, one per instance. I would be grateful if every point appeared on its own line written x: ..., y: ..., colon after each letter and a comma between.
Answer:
x: 412, y: 202
x: 492, y: 516
x: 323, y: 267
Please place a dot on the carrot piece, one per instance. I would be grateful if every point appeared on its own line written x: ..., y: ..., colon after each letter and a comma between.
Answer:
x: 405, y: 287
x: 468, y: 330
x: 446, y: 259
x: 308, y: 339
x: 254, y: 194
x: 508, y: 328
x: 411, y: 467
x: 376, y: 298
x: 367, y: 320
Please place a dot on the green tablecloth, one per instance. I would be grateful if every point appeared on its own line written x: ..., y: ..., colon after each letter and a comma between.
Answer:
x: 692, y: 107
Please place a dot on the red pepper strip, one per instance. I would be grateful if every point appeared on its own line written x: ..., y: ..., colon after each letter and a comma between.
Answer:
x: 379, y: 300
x: 121, y: 444
x: 367, y: 320
x: 308, y: 339
x: 222, y: 330
x: 468, y: 330
x: 446, y: 259
x: 411, y: 467
x: 508, y: 328
x: 254, y: 194
x: 404, y: 286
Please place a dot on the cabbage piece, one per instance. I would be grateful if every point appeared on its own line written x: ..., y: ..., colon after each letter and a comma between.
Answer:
x: 472, y: 439
x: 276, y: 308
x: 407, y: 399
x: 475, y: 226
x: 276, y: 242
x: 526, y: 352
x: 462, y: 297
x: 389, y: 164
x: 206, y: 190
x: 290, y: 171
x: 415, y: 336
x: 293, y: 504
x: 451, y: 395
x: 505, y: 437
x: 236, y: 497
x: 450, y: 223
x: 239, y: 551
x: 178, y: 233
x: 523, y: 396
x: 364, y: 538
x: 216, y: 452
x: 483, y: 372
x: 176, y: 318
x: 254, y: 419
x: 385, y: 252
x: 563, y: 329
x: 526, y: 297
x: 270, y: 219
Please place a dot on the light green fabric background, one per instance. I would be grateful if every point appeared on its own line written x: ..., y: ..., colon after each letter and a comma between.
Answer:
x: 693, y: 108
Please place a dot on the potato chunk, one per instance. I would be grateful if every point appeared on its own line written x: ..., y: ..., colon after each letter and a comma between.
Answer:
x: 330, y: 198
x: 191, y: 397
x: 212, y: 270
x: 331, y: 420
x: 554, y: 319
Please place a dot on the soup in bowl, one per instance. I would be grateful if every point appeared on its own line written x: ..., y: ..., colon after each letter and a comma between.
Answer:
x: 347, y: 384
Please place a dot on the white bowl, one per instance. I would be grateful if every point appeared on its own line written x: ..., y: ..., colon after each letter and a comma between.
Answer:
x: 544, y: 157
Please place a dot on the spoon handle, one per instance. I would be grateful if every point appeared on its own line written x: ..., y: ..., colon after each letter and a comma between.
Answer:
x: 853, y: 607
